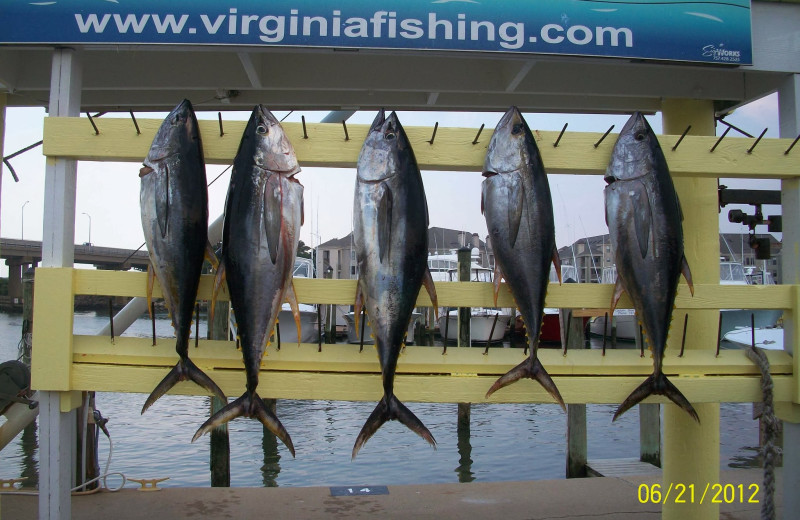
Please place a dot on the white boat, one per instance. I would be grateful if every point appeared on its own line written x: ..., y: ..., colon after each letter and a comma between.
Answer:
x: 624, y: 319
x: 353, y: 335
x: 309, y: 317
x: 481, y: 323
x: 769, y: 338
x: 734, y: 273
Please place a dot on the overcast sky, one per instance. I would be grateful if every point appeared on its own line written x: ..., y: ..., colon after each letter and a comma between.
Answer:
x: 109, y: 192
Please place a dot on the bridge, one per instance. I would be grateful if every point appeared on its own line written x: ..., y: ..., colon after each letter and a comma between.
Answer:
x: 20, y: 254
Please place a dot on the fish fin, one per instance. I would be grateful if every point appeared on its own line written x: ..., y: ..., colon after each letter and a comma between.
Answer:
x: 184, y: 370
x: 532, y: 369
x: 389, y: 409
x: 642, y: 218
x: 656, y: 384
x: 384, y: 222
x: 219, y: 279
x: 557, y: 265
x: 247, y: 406
x: 162, y: 200
x: 498, y: 275
x: 151, y: 280
x: 359, y: 304
x: 211, y: 255
x: 618, y: 290
x: 516, y: 201
x: 687, y: 274
x: 427, y: 281
x: 291, y: 297
x: 273, y: 215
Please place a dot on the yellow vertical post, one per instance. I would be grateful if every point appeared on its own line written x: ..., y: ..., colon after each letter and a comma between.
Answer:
x: 691, y: 451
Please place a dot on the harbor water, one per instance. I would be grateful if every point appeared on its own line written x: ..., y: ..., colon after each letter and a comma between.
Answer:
x: 505, y: 442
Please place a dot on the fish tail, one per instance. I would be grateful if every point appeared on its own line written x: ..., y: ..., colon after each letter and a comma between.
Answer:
x: 532, y: 369
x: 184, y: 370
x: 389, y: 409
x: 248, y: 405
x: 657, y: 384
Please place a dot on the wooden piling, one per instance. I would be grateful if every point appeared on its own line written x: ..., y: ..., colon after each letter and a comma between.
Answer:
x: 576, y: 413
x: 650, y: 433
x: 464, y: 313
x: 220, y: 452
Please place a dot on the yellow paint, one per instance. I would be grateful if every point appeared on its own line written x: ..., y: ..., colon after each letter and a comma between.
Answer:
x: 691, y: 451
x: 52, y: 329
x: 70, y: 400
x: 472, y: 294
x: 452, y: 150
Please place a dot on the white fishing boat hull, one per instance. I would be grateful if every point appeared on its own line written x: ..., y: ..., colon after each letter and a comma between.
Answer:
x: 626, y: 325
x: 769, y: 338
x: 480, y: 326
x: 353, y: 335
x: 309, y: 324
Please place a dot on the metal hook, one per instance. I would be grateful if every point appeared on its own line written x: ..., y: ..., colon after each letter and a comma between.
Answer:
x: 720, y: 139
x: 153, y: 320
x: 735, y: 128
x: 219, y: 116
x: 196, y: 325
x: 683, y: 341
x: 363, y: 323
x: 792, y: 145
x: 555, y: 145
x: 604, y: 136
x: 305, y: 134
x: 138, y: 132
x: 475, y: 141
x: 96, y: 131
x: 605, y: 331
x: 433, y: 136
x: 110, y: 313
x: 346, y: 135
x: 681, y: 137
x: 719, y: 334
x: 750, y: 150
x: 278, y: 334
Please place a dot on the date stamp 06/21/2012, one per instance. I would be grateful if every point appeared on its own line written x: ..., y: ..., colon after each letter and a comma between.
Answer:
x: 680, y: 493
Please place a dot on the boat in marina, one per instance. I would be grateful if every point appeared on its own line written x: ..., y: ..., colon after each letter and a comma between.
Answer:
x: 354, y: 335
x: 734, y: 273
x: 624, y: 320
x: 309, y: 314
x: 551, y: 325
x: 769, y: 338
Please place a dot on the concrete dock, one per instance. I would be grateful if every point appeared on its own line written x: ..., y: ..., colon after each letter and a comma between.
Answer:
x: 607, y: 498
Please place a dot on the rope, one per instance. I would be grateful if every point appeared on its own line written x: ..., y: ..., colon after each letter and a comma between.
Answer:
x: 769, y: 451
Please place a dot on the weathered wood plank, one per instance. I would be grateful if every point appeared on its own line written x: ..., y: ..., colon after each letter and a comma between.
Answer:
x: 453, y: 149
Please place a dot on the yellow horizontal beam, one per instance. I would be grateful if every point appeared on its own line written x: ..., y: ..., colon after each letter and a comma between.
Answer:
x: 452, y: 149
x: 223, y: 355
x: 426, y: 388
x: 468, y: 294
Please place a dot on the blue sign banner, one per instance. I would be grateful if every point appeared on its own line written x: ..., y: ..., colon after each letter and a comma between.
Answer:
x: 716, y: 31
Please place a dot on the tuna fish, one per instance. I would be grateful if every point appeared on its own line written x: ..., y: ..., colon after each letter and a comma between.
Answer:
x: 391, y: 243
x: 174, y: 206
x: 644, y: 219
x: 519, y: 216
x: 263, y: 215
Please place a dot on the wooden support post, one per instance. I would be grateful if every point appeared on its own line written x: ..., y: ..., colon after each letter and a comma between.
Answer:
x: 650, y: 433
x: 464, y: 444
x: 57, y: 418
x: 220, y: 452
x: 577, y: 451
x: 464, y: 313
x: 27, y: 314
x: 269, y: 444
x: 691, y: 450
x: 789, y: 115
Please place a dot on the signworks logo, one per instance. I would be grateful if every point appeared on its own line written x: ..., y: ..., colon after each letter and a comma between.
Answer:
x: 719, y: 53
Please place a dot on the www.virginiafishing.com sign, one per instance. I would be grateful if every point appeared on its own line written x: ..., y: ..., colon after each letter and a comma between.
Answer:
x: 700, y: 31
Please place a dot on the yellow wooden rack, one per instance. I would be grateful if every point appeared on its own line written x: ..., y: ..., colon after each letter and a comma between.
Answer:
x: 66, y: 362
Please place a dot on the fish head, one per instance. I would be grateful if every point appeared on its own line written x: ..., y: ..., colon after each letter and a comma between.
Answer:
x: 178, y: 131
x: 273, y: 151
x: 511, y: 145
x: 385, y: 149
x: 634, y: 151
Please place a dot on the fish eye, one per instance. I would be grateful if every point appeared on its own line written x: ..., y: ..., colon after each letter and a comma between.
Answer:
x: 639, y: 136
x: 262, y: 130
x: 389, y: 136
x: 517, y: 129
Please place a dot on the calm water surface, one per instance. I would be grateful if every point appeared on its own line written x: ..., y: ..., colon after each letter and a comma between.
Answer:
x: 505, y: 442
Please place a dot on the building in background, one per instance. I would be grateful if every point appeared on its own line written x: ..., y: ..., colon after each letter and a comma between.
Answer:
x: 592, y: 254
x: 337, y: 258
